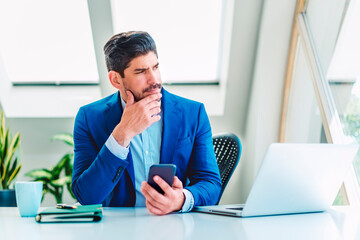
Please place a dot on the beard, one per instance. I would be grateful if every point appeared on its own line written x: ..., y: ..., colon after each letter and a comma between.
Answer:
x: 139, y: 96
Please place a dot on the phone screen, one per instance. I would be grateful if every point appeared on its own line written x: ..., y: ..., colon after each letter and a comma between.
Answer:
x: 165, y: 171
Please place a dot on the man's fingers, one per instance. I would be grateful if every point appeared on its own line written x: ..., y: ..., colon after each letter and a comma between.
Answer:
x: 159, y: 204
x: 152, y: 195
x: 177, y: 183
x: 151, y: 98
x: 155, y: 118
x: 153, y: 104
x: 153, y: 209
x: 154, y: 111
x: 163, y: 185
x: 130, y: 98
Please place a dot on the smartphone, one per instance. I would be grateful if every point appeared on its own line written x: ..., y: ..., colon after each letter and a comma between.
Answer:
x: 165, y: 171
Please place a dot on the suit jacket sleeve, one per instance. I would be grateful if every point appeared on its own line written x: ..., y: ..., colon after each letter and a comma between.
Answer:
x: 96, y: 170
x: 203, y: 171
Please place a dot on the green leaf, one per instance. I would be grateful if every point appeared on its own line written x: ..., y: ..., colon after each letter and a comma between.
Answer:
x: 9, y: 164
x: 45, y: 181
x: 13, y: 166
x: 65, y: 137
x: 12, y: 148
x: 61, y: 181
x: 7, y: 172
x: 56, y: 170
x: 69, y: 165
x: 39, y: 174
x: 5, y: 146
x: 2, y: 127
x: 51, y: 191
x: 70, y: 190
x: 9, y: 169
x: 14, y: 173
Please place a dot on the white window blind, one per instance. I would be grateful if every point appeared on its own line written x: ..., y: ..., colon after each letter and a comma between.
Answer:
x: 47, y: 41
x: 188, y: 35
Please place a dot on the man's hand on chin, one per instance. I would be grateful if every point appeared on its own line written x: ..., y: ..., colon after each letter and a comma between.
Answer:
x: 172, y: 200
x: 137, y: 117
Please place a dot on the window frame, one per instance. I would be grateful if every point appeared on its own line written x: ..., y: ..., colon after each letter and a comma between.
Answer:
x: 350, y: 189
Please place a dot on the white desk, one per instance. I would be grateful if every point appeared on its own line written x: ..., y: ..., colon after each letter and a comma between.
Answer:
x: 131, y: 223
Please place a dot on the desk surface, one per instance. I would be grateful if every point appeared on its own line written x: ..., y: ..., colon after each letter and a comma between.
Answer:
x: 138, y: 223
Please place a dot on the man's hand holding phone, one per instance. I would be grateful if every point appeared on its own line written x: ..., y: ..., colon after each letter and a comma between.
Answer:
x: 137, y: 117
x: 172, y: 199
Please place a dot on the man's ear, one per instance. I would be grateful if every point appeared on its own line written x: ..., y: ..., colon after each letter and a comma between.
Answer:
x: 115, y: 80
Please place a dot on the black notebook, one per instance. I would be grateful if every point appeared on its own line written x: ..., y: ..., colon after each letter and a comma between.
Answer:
x: 86, y: 213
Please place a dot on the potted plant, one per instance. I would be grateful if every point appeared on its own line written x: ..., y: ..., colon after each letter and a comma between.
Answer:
x: 10, y: 164
x: 58, y: 177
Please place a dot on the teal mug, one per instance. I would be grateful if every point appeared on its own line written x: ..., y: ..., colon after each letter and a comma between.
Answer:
x: 28, y: 197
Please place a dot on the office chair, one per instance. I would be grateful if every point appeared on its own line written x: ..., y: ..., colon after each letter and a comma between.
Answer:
x: 227, y: 147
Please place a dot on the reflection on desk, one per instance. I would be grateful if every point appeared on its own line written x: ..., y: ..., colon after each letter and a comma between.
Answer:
x: 138, y: 223
x: 302, y: 226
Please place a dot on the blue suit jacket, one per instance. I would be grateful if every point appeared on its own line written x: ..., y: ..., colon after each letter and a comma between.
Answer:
x: 101, y: 177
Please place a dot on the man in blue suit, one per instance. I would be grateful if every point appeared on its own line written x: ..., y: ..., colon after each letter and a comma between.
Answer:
x: 119, y: 137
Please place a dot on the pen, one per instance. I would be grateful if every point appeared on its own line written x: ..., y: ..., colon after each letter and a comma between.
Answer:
x: 65, y: 206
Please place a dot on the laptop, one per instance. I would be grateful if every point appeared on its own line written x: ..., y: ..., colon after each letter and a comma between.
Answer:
x: 293, y: 178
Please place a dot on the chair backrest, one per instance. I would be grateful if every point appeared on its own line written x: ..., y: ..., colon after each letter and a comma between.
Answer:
x: 227, y: 147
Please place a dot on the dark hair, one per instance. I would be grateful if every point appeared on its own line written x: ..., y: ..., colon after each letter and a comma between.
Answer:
x: 124, y: 47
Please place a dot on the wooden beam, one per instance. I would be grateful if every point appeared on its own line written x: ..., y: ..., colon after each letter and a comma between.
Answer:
x: 289, y: 70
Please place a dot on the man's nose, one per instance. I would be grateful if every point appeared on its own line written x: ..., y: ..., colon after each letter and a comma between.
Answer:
x: 152, y: 77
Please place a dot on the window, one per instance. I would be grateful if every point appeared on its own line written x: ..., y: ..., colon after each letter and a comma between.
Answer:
x: 303, y: 118
x: 60, y: 50
x: 47, y: 42
x: 343, y: 76
x: 190, y: 44
x: 327, y: 37
x: 44, y: 44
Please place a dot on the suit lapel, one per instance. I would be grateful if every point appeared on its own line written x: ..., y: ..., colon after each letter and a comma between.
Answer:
x: 113, y: 115
x: 113, y: 112
x: 171, y: 126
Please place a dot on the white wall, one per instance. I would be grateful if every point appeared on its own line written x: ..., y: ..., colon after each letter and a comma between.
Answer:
x: 246, y: 24
x: 263, y: 87
x: 263, y: 117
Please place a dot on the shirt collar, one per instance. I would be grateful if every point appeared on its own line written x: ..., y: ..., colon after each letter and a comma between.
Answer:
x: 123, y: 104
